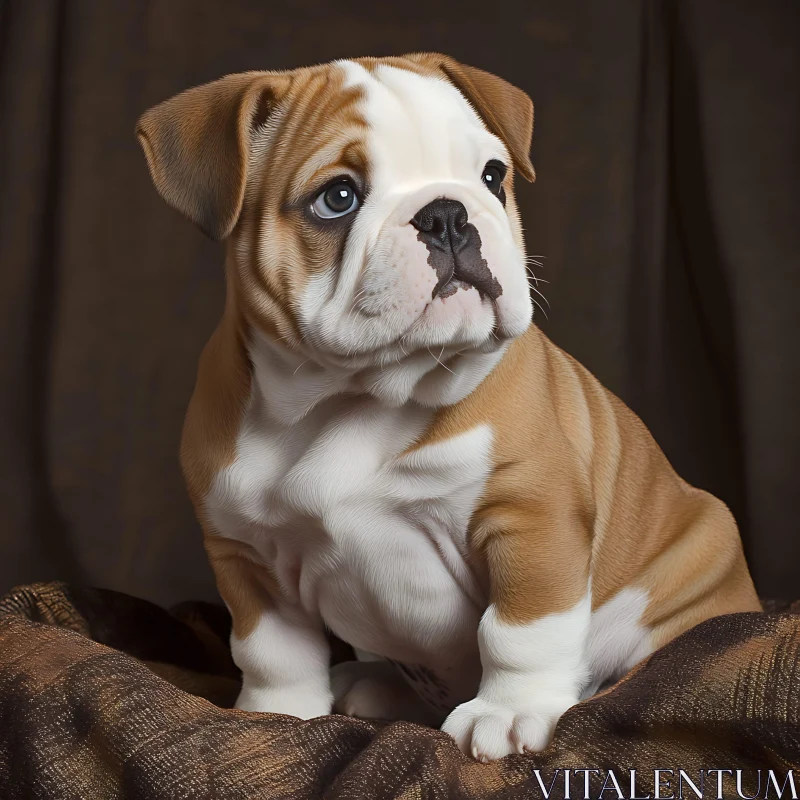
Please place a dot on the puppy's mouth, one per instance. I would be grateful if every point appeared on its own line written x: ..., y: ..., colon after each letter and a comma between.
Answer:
x: 451, y: 287
x: 467, y: 277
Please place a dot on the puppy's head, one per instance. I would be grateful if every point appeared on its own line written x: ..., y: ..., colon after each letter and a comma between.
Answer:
x: 368, y: 204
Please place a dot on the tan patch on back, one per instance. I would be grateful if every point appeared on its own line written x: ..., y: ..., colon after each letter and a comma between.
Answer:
x: 580, y: 484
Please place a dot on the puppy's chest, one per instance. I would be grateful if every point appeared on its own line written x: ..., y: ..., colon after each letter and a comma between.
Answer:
x: 357, y: 527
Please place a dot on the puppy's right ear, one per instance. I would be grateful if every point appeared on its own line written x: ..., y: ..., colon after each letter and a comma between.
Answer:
x: 198, y: 143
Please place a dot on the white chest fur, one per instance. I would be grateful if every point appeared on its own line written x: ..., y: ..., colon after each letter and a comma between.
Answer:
x: 368, y: 538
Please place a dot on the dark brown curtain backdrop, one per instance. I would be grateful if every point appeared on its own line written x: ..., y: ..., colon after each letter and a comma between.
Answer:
x: 667, y: 206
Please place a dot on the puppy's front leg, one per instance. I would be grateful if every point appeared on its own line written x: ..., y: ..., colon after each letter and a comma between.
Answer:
x: 284, y: 664
x: 532, y: 641
x: 283, y: 655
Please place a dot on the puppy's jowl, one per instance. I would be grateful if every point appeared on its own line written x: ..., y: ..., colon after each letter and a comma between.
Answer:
x: 381, y: 443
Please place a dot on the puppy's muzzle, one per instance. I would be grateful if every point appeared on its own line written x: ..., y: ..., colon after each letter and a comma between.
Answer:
x: 454, y: 249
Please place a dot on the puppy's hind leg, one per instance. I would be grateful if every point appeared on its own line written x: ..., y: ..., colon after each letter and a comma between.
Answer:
x: 375, y: 689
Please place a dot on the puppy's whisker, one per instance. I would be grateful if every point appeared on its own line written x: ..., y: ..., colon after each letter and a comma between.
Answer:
x: 355, y: 300
x: 541, y: 295
x: 300, y: 365
x: 538, y: 305
x: 439, y: 362
x: 529, y: 269
x: 533, y: 277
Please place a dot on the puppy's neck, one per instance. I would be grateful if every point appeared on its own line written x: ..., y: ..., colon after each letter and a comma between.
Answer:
x: 291, y: 384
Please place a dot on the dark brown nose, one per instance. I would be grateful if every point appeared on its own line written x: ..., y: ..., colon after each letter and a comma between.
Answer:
x: 443, y: 224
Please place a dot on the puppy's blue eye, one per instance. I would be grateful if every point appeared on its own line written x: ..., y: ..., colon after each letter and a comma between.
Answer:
x: 336, y: 201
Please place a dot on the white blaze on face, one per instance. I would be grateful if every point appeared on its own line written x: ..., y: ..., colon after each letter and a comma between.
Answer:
x: 424, y: 142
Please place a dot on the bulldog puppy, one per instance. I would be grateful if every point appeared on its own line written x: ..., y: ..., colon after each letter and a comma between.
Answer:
x: 380, y: 442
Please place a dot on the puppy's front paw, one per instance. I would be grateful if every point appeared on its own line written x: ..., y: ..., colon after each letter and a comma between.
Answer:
x: 296, y: 701
x: 488, y: 730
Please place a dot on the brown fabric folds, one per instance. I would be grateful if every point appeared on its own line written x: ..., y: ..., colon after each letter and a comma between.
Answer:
x: 84, y: 714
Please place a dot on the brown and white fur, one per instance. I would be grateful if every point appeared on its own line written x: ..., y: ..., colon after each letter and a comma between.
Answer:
x: 416, y: 468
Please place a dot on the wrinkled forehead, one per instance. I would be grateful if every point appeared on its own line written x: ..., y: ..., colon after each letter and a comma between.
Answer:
x: 418, y: 127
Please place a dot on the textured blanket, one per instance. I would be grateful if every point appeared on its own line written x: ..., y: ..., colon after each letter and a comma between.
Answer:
x: 106, y: 696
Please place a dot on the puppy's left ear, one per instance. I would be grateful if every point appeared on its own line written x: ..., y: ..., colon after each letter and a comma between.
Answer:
x: 506, y: 110
x: 198, y: 145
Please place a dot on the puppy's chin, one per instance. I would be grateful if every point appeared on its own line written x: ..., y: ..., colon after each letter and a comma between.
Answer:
x: 460, y: 320
x: 462, y: 317
x: 461, y: 323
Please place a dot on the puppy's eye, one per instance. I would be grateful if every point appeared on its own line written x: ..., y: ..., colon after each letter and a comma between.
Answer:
x: 336, y: 201
x: 493, y: 174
